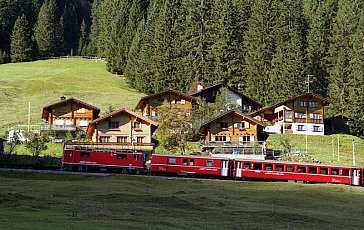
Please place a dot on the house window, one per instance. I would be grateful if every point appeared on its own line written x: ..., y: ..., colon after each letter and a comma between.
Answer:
x: 160, y: 101
x: 154, y: 114
x: 312, y: 104
x: 288, y: 114
x: 244, y: 138
x: 140, y: 139
x: 224, y: 125
x: 240, y: 125
x: 137, y: 125
x: 302, y: 104
x: 316, y: 116
x: 301, y: 128
x: 300, y: 115
x: 104, y: 139
x: 220, y: 138
x: 317, y: 129
x: 177, y: 102
x: 83, y: 123
x: 113, y: 125
x: 209, y: 163
x: 122, y: 139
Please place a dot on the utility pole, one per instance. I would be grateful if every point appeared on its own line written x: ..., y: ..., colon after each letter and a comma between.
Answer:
x: 353, y: 152
x: 308, y: 91
x: 29, y: 116
x: 338, y: 148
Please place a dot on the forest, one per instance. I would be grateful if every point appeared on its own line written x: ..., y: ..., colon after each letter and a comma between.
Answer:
x: 265, y: 48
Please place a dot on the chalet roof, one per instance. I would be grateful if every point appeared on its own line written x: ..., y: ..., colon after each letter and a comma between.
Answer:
x: 325, y: 101
x: 338, y: 115
x: 124, y: 111
x: 233, y: 89
x: 70, y: 100
x: 237, y: 112
x: 183, y: 95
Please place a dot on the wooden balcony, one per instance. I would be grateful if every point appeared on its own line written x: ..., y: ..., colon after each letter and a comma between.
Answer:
x: 314, y: 121
x: 229, y: 144
x: 109, y: 146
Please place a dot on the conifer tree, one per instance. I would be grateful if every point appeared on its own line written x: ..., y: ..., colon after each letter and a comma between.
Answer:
x: 92, y: 48
x: 21, y: 41
x: 82, y: 43
x: 287, y: 76
x: 339, y: 55
x: 48, y: 31
x: 356, y: 81
x: 70, y: 28
x: 259, y: 45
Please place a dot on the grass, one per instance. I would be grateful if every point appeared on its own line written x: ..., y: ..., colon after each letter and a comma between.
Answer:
x: 38, y: 201
x: 324, y: 148
x: 44, y: 82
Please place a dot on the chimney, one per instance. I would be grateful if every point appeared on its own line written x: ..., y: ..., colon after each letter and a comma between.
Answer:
x: 63, y: 98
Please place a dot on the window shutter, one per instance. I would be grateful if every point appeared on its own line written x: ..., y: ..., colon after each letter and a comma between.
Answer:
x: 236, y: 125
x: 227, y: 138
x: 311, y: 115
x: 213, y: 138
x: 183, y: 102
x: 246, y: 125
x: 320, y: 129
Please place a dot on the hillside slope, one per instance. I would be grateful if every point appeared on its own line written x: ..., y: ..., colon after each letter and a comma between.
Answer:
x: 44, y: 82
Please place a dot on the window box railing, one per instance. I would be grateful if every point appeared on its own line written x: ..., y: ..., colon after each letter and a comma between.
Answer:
x: 47, y: 127
x: 230, y: 144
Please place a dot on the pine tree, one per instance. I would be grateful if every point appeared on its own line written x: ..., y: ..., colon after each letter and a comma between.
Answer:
x: 339, y: 55
x: 287, y: 76
x: 259, y: 45
x: 21, y: 41
x: 70, y: 28
x: 92, y: 48
x: 82, y: 43
x: 48, y: 30
x: 320, y: 19
x: 356, y: 81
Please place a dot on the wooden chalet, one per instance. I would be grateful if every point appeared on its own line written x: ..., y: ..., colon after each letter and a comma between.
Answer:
x: 68, y: 115
x: 149, y: 105
x: 122, y: 129
x: 209, y: 94
x: 337, y: 124
x: 232, y: 129
x: 303, y: 114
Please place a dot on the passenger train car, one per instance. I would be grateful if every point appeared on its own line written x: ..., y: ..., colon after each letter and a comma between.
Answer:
x: 128, y: 161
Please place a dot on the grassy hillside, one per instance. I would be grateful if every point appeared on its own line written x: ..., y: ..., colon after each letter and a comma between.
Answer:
x: 134, y: 202
x: 44, y: 82
x: 324, y: 148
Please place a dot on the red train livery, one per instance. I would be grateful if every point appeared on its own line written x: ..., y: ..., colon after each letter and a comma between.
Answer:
x: 135, y: 162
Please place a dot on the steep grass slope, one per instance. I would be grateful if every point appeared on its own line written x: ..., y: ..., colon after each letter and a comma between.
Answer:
x: 43, y: 82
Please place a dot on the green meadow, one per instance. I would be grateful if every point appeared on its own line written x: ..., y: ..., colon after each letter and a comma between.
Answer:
x: 47, y: 201
x: 43, y: 82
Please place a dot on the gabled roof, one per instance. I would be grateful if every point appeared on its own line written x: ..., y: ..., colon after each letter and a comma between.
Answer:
x: 237, y: 112
x: 115, y: 113
x: 139, y: 105
x: 324, y: 100
x: 70, y: 100
x: 338, y: 115
x: 233, y: 89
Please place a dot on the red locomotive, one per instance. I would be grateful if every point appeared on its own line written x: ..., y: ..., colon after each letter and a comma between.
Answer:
x: 128, y: 161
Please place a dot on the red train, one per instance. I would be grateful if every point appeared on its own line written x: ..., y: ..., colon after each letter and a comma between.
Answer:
x: 135, y: 162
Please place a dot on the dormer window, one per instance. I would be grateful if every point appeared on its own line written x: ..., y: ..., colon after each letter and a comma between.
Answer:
x: 302, y: 103
x: 312, y: 104
x: 113, y: 125
x: 224, y: 125
x: 137, y: 125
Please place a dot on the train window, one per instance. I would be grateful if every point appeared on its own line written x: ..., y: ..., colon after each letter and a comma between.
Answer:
x: 301, y: 169
x: 346, y: 172
x: 290, y: 168
x: 185, y: 161
x: 192, y: 162
x: 257, y: 167
x: 136, y: 157
x: 324, y: 171
x: 171, y: 161
x: 209, y: 163
x: 268, y: 167
x: 122, y: 156
x: 312, y: 170
x: 246, y: 165
x: 334, y: 171
x: 85, y: 154
x: 279, y: 168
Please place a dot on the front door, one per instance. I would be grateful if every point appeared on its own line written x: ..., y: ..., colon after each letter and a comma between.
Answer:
x: 224, y: 167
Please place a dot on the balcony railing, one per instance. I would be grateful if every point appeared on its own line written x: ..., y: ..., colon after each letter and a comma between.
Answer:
x: 95, y: 146
x: 47, y: 127
x: 229, y: 144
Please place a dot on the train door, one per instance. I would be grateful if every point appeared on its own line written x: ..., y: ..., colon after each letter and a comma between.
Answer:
x: 356, y: 177
x: 238, y: 168
x: 224, y: 167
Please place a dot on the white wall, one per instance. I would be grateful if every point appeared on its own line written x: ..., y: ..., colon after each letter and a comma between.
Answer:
x: 309, y: 129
